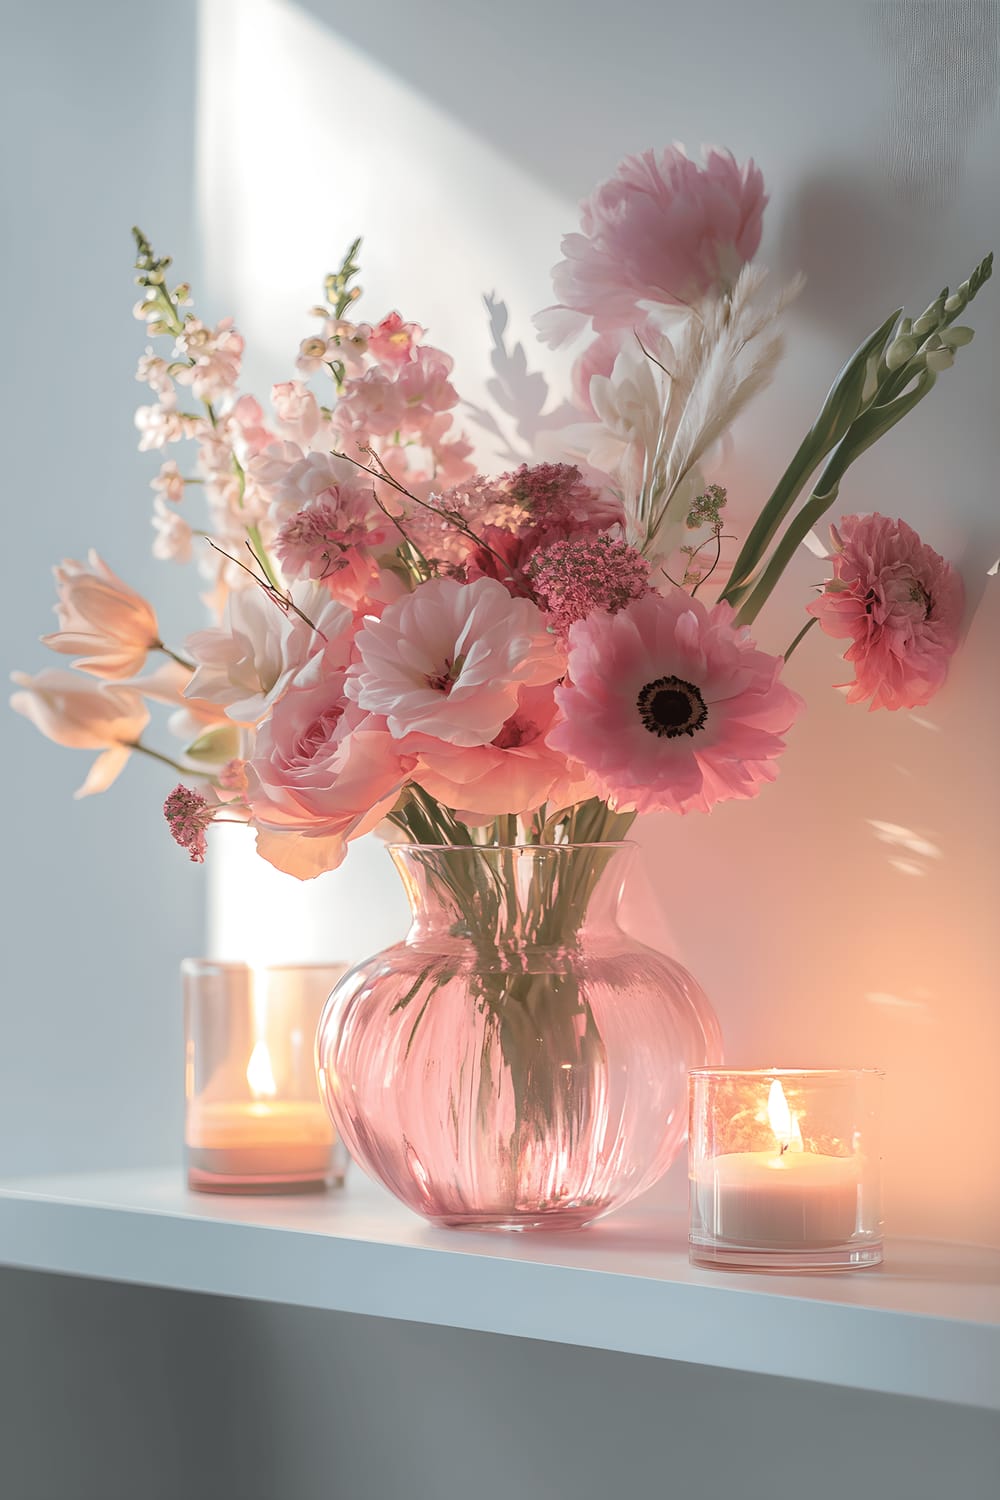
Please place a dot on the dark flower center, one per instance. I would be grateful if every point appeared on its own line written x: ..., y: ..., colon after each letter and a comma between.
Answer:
x: 669, y: 706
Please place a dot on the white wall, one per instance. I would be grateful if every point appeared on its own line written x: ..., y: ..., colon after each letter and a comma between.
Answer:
x: 457, y: 139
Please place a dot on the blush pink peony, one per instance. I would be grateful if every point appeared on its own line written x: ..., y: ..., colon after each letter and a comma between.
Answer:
x: 449, y: 660
x: 670, y: 708
x: 106, y: 624
x: 662, y: 230
x: 899, y: 603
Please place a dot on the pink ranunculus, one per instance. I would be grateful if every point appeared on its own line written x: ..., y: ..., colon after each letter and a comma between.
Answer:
x: 297, y: 410
x: 106, y: 623
x: 662, y: 230
x: 899, y: 603
x: 85, y: 716
x: 247, y: 663
x: 321, y: 774
x: 670, y: 708
x: 515, y: 773
x: 449, y: 660
x: 391, y: 341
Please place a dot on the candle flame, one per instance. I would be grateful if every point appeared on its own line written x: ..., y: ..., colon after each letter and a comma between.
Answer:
x: 260, y: 1074
x: 782, y: 1121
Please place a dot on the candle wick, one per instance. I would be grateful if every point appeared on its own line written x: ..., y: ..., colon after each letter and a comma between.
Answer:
x: 784, y: 1147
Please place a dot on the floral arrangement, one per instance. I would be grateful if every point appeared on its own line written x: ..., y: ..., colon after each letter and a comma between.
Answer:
x: 535, y: 656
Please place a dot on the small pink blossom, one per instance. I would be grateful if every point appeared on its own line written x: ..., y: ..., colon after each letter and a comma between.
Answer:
x: 188, y: 814
x: 297, y: 410
x: 159, y: 424
x: 173, y: 533
x: 572, y: 579
x: 105, y: 623
x: 215, y: 353
x: 155, y: 372
x: 899, y: 603
x: 246, y: 416
x: 670, y: 708
x: 169, y: 482
x: 371, y: 403
x: 662, y: 230
x: 423, y: 385
x: 449, y: 660
x: 85, y: 716
x: 392, y: 341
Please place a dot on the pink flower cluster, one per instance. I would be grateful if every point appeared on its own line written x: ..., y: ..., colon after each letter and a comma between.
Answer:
x: 396, y: 636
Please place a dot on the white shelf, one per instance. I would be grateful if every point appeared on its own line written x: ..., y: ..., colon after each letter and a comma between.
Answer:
x: 926, y: 1324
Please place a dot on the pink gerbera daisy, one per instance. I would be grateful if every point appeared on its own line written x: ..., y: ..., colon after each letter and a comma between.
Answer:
x: 671, y: 709
x: 899, y: 603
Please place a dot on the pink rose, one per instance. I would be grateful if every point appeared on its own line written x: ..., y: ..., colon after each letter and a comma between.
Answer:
x: 85, y: 716
x: 899, y: 603
x: 321, y: 775
x: 101, y: 617
x: 661, y: 230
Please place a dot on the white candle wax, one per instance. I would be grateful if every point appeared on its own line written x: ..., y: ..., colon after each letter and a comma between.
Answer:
x: 259, y: 1138
x: 774, y: 1199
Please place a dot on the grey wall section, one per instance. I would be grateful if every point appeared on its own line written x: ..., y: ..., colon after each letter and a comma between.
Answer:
x: 98, y: 122
x: 110, y: 1393
x: 208, y: 1399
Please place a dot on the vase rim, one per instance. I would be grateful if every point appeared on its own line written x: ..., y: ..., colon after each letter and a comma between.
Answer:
x: 406, y: 846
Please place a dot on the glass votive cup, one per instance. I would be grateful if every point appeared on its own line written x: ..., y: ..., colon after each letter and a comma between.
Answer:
x: 784, y: 1168
x: 254, y: 1120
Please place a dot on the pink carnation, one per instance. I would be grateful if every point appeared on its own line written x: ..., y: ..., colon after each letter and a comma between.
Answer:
x: 330, y: 539
x: 662, y: 230
x: 899, y: 603
x: 571, y: 579
x: 670, y: 708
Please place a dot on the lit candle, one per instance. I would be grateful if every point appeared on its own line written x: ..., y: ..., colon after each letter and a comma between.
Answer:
x: 255, y: 1122
x: 782, y: 1198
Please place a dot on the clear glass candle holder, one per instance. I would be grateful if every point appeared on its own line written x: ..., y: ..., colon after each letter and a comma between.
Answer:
x: 784, y: 1168
x: 254, y: 1120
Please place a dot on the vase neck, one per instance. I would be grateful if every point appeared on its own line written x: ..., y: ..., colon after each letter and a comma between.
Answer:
x: 515, y: 896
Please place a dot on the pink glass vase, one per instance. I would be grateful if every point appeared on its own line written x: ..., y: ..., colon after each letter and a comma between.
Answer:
x: 518, y: 1062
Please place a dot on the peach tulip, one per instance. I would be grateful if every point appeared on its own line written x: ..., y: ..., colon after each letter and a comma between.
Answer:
x: 84, y: 716
x: 109, y: 625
